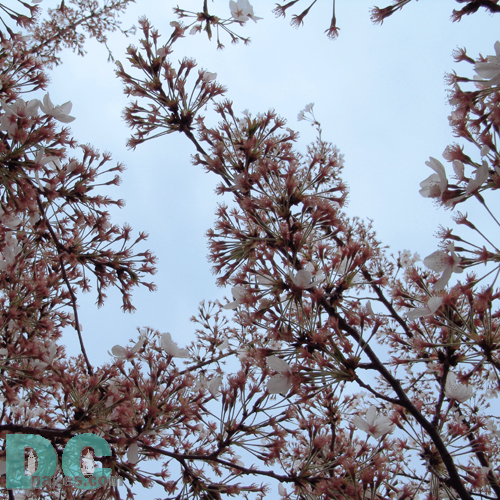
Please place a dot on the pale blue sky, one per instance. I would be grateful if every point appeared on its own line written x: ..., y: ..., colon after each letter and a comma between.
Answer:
x: 379, y: 93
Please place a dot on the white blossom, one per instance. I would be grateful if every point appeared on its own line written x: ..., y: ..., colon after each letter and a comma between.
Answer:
x: 304, y: 278
x: 120, y: 352
x: 171, y: 347
x: 454, y: 390
x: 18, y: 109
x: 60, y: 112
x: 432, y: 306
x: 133, y: 453
x: 238, y: 292
x: 242, y: 11
x: 482, y: 174
x: 407, y: 260
x: 214, y: 385
x: 282, y: 382
x: 485, y: 150
x: 435, y: 185
x: 440, y: 261
x: 224, y: 344
x: 375, y: 426
x: 458, y: 167
x: 208, y: 77
x: 369, y: 310
x: 489, y: 72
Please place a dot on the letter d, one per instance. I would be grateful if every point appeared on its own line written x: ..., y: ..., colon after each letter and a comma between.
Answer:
x: 47, y: 459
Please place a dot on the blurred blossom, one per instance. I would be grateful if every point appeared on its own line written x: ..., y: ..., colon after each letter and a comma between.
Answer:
x: 214, y: 385
x: 238, y: 292
x: 454, y: 390
x: 171, y: 347
x: 133, y: 453
x: 406, y: 259
x: 282, y: 382
x: 482, y: 174
x: 432, y: 306
x: 224, y: 344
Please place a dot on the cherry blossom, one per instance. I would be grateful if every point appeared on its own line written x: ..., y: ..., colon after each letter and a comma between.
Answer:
x: 11, y: 250
x: 282, y: 382
x: 459, y: 169
x: 208, y: 77
x: 60, y: 112
x: 238, y: 292
x: 432, y: 306
x: 489, y: 72
x: 133, y: 453
x: 224, y: 344
x: 482, y: 174
x: 282, y: 490
x: 19, y: 109
x: 440, y: 261
x: 307, y: 109
x: 304, y: 278
x: 241, y: 10
x: 212, y: 385
x: 171, y: 347
x: 406, y: 259
x: 375, y: 426
x: 454, y: 390
x: 435, y: 185
x: 121, y: 352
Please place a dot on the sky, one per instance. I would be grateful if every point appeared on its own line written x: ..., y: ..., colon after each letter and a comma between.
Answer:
x: 379, y: 93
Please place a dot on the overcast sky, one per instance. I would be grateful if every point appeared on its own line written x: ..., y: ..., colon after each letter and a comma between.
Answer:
x: 379, y: 93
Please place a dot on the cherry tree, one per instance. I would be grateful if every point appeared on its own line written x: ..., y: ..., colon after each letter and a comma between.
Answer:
x: 318, y: 313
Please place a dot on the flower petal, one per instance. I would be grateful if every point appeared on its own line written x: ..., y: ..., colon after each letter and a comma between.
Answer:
x: 133, y: 453
x: 277, y: 364
x: 279, y: 384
